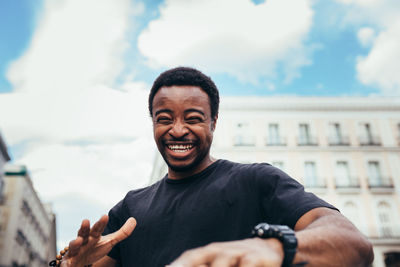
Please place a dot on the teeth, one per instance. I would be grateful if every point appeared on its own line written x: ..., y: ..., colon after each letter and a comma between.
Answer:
x: 180, y: 148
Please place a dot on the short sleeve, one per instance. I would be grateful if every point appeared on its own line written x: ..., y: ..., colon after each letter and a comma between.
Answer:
x: 114, y: 223
x: 283, y: 199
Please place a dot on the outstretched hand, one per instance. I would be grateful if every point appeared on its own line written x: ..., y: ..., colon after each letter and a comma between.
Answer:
x: 252, y: 252
x: 90, y: 245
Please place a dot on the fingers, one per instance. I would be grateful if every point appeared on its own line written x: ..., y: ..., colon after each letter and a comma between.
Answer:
x: 197, y: 257
x: 98, y: 228
x: 123, y: 232
x: 74, y: 246
x: 84, y: 231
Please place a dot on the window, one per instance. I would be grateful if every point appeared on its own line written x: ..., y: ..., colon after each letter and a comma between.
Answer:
x: 20, y: 237
x: 374, y: 173
x: 336, y: 132
x: 367, y: 132
x: 243, y: 135
x: 274, y: 137
x: 305, y: 137
x: 278, y: 164
x: 343, y: 178
x: 392, y: 259
x: 384, y: 219
x: 367, y: 138
x: 398, y: 133
x: 310, y: 175
x: 350, y: 210
x: 336, y: 136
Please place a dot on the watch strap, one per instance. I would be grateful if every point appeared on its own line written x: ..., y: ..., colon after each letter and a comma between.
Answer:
x: 284, y: 234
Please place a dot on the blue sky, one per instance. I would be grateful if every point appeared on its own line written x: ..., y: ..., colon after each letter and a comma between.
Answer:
x: 330, y: 72
x: 74, y: 76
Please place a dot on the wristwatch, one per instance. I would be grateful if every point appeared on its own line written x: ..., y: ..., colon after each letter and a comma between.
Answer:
x: 284, y: 234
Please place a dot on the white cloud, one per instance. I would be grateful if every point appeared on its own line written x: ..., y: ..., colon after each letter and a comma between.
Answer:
x: 366, y: 36
x: 77, y: 44
x: 379, y: 67
x: 230, y: 36
x: 85, y: 142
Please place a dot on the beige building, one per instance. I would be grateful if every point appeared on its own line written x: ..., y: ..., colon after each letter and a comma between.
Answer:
x: 27, y: 233
x: 345, y: 150
x: 4, y: 157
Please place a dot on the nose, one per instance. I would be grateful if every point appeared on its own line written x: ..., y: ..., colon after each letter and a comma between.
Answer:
x: 178, y: 130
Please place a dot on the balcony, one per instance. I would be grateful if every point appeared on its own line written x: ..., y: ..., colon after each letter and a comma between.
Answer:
x: 381, y: 184
x: 315, y: 185
x: 347, y: 185
x: 339, y: 141
x: 241, y: 140
x: 307, y: 141
x: 275, y: 141
x: 372, y: 140
x: 383, y: 233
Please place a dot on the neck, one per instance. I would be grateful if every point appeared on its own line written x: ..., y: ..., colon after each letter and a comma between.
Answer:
x: 177, y: 175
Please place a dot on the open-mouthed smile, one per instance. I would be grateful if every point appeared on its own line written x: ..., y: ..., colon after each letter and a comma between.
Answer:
x: 180, y: 148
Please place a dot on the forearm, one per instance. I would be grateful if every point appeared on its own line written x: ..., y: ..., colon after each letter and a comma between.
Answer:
x: 333, y: 241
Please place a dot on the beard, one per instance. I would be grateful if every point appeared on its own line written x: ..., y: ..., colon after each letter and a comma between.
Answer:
x: 198, y: 159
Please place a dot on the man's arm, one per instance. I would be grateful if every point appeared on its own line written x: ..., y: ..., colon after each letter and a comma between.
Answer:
x: 325, y: 238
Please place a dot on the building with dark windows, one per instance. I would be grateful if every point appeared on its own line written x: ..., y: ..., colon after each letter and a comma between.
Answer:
x: 4, y: 157
x: 345, y: 150
x: 28, y: 229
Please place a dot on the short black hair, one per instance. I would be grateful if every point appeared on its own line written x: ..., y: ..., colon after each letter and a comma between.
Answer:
x: 186, y: 76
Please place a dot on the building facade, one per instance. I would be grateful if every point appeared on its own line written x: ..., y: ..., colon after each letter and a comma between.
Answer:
x: 28, y: 230
x: 4, y: 157
x: 345, y: 150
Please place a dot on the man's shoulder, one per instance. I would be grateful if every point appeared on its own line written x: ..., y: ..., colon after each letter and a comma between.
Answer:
x: 138, y: 194
x: 143, y: 191
x: 250, y: 171
x: 248, y: 167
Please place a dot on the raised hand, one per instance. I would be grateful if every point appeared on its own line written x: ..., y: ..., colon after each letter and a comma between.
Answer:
x: 90, y: 246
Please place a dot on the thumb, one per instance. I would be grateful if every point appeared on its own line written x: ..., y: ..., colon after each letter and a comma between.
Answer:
x: 125, y: 231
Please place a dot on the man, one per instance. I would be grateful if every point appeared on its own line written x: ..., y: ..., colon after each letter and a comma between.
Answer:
x: 203, y: 211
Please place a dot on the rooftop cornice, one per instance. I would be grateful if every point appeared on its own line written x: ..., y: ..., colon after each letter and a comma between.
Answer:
x: 311, y: 103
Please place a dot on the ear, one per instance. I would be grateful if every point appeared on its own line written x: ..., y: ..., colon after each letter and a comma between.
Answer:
x: 214, y: 122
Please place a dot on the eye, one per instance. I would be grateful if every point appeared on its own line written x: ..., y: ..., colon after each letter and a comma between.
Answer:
x: 163, y: 120
x: 193, y: 120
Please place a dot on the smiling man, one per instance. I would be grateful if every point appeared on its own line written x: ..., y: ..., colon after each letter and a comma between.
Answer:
x: 208, y: 212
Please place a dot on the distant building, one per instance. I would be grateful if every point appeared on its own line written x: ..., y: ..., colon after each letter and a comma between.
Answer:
x: 4, y: 157
x: 345, y: 150
x: 28, y: 230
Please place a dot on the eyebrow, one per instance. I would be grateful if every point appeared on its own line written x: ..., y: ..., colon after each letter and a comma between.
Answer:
x: 162, y: 111
x: 166, y: 110
x: 194, y: 110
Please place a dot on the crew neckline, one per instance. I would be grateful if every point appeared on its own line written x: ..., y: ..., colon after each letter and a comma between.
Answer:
x: 189, y: 179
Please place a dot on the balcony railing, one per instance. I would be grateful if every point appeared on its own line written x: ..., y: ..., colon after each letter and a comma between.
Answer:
x: 351, y: 182
x: 243, y: 141
x: 342, y: 141
x: 312, y: 183
x: 275, y: 141
x: 307, y: 141
x: 372, y: 140
x: 380, y: 182
x: 385, y: 232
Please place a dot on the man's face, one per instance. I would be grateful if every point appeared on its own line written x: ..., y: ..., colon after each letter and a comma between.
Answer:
x: 183, y: 128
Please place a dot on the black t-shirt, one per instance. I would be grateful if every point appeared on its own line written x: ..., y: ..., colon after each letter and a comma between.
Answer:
x: 221, y: 203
